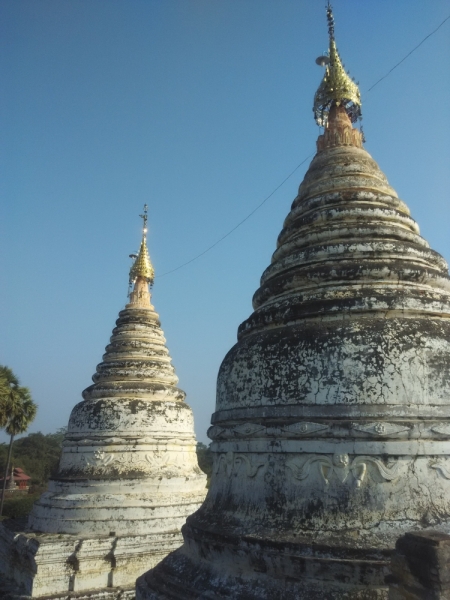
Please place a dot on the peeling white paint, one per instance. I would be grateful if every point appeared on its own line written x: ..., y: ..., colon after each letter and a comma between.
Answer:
x: 331, y: 434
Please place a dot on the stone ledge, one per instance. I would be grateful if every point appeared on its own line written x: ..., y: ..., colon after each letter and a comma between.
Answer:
x: 60, y: 566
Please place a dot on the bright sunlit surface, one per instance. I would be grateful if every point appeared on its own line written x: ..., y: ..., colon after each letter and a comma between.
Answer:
x: 199, y: 108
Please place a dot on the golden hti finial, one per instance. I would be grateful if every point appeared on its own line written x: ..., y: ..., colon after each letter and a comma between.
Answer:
x: 142, y: 267
x: 337, y: 87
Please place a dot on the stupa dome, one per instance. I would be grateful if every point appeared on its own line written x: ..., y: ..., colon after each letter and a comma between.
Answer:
x: 129, y: 459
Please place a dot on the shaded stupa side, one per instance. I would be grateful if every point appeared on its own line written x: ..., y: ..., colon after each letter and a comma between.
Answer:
x: 128, y: 475
x: 331, y: 435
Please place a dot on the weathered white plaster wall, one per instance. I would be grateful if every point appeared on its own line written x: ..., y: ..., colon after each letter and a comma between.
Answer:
x: 331, y: 434
x: 128, y: 475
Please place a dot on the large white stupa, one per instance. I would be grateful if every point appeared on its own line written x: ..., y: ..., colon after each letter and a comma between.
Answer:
x: 331, y: 436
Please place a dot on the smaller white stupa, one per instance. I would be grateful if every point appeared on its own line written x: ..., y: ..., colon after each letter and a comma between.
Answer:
x: 128, y: 475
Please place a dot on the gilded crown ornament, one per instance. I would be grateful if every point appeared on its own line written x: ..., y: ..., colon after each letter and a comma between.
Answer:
x: 142, y: 266
x: 337, y: 87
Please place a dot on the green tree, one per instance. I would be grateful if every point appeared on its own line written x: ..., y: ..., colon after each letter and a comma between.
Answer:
x: 37, y: 454
x: 17, y: 411
x: 205, y: 459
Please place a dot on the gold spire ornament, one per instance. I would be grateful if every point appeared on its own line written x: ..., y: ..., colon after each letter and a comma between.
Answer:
x: 337, y: 87
x: 142, y: 266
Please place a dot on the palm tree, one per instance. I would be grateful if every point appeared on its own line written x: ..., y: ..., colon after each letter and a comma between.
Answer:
x: 17, y: 411
x: 7, y: 381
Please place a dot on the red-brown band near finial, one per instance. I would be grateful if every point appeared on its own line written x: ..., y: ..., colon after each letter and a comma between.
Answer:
x: 339, y: 131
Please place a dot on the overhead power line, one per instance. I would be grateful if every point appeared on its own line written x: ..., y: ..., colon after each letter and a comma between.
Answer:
x: 250, y: 214
x: 240, y: 222
x: 409, y: 53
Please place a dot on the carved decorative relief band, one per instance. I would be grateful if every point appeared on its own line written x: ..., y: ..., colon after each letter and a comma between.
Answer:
x: 215, y: 432
x: 252, y: 429
x: 376, y: 429
x: 441, y: 429
x: 151, y: 463
x: 304, y: 428
x: 99, y: 459
x: 380, y: 428
x: 341, y: 467
x: 248, y: 429
x: 231, y: 460
x: 442, y: 466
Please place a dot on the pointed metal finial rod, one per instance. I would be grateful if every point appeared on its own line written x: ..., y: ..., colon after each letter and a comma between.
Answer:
x: 144, y: 217
x: 142, y: 266
x: 330, y: 19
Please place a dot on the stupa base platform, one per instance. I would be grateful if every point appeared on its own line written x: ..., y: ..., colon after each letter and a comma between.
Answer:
x: 57, y: 566
x: 216, y: 566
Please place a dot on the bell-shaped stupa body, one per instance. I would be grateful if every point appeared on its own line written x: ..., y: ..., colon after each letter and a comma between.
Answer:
x: 128, y: 475
x: 331, y: 435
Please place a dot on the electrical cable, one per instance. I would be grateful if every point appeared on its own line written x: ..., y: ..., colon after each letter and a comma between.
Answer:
x: 409, y: 54
x: 240, y: 222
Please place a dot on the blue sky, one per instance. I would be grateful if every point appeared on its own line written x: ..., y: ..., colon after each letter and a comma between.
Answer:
x: 199, y: 108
